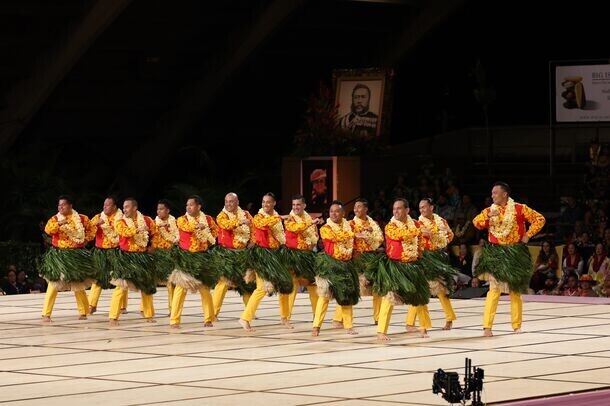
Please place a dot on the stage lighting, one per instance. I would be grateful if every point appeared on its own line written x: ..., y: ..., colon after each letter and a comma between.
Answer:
x: 448, y: 385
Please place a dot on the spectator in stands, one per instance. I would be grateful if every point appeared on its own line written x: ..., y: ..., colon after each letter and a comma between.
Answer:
x: 463, y: 263
x: 546, y: 265
x: 585, y: 247
x: 379, y: 212
x: 444, y: 210
x: 571, y: 286
x: 586, y: 284
x: 475, y: 260
x: 598, y: 266
x: 24, y: 285
x: 400, y: 189
x: 579, y: 228
x: 573, y: 261
x: 9, y: 285
x: 468, y: 208
x: 550, y: 286
x: 463, y: 230
x: 453, y: 194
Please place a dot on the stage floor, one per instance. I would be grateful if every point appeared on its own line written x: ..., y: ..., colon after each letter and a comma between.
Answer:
x: 565, y: 348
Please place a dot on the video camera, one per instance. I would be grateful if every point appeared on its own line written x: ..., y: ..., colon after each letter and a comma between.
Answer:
x: 448, y: 385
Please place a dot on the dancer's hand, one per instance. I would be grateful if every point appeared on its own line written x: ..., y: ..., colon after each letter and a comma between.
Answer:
x: 494, y: 213
x: 525, y: 239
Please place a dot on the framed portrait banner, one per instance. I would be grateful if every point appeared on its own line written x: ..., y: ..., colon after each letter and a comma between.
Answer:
x: 364, y: 100
x: 318, y: 182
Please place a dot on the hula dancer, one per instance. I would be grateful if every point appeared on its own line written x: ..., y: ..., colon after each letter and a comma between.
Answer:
x: 506, y: 262
x: 264, y: 262
x: 299, y: 258
x: 235, y: 234
x: 368, y: 237
x: 67, y: 265
x: 399, y: 277
x: 135, y: 267
x: 334, y: 278
x: 435, y: 236
x: 104, y: 253
x: 198, y: 233
x: 163, y: 244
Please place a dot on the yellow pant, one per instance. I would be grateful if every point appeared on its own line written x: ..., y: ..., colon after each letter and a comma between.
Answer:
x: 118, y: 297
x: 179, y: 294
x: 385, y: 315
x: 322, y: 307
x: 491, y: 305
x: 170, y: 295
x: 254, y: 300
x: 94, y: 294
x: 340, y: 315
x: 49, y: 301
x: 445, y: 303
x: 287, y: 300
x: 220, y: 290
x: 376, y: 306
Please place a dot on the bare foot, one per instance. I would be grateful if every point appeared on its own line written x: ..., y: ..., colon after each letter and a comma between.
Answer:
x: 245, y: 324
x: 286, y: 323
x: 518, y: 331
x: 337, y: 324
x: 46, y: 319
x: 208, y: 324
x: 423, y: 333
x: 142, y: 313
x: 150, y: 320
x: 487, y: 332
x: 92, y: 309
x: 351, y: 331
x: 382, y: 337
x: 412, y: 329
x: 82, y: 317
x: 215, y: 318
x: 175, y: 326
x: 315, y: 332
x: 123, y: 311
x: 448, y: 325
x: 113, y: 322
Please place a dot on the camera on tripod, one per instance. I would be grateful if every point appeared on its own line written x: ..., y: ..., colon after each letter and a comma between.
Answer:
x: 448, y: 385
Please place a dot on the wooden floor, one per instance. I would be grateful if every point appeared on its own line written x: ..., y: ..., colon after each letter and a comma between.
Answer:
x: 565, y: 348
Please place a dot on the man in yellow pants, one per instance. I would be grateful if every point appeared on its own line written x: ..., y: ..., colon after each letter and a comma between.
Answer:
x: 511, y: 266
x: 135, y: 267
x: 402, y: 244
x: 271, y: 275
x: 338, y: 239
x: 69, y: 232
x: 198, y: 233
x: 301, y: 238
x: 368, y: 237
x: 435, y: 236
x: 163, y: 242
x: 106, y: 246
x: 235, y: 233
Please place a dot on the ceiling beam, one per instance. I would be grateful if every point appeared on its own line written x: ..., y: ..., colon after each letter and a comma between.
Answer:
x: 27, y: 96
